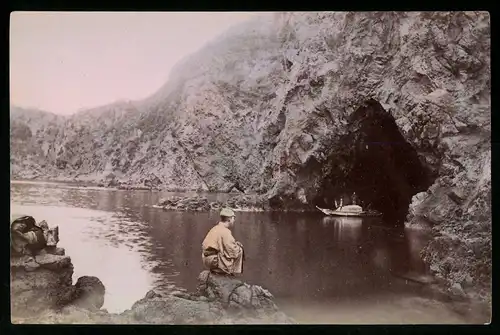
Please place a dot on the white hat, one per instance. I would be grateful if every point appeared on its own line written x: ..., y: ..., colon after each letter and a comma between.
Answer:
x: 227, y: 212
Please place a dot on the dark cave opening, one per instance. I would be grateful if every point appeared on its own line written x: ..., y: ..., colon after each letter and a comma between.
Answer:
x: 378, y: 164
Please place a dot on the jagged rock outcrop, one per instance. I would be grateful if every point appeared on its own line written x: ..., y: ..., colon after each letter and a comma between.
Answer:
x: 41, y: 273
x: 303, y: 107
x: 38, y: 282
x: 239, y: 299
x: 220, y: 300
x: 31, y: 132
x: 44, y: 282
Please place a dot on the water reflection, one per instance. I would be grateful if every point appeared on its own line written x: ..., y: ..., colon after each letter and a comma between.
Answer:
x: 347, y: 229
x: 97, y: 246
x: 416, y: 240
x: 133, y: 248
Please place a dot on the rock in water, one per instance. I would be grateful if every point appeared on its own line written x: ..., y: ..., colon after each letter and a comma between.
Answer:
x: 89, y: 293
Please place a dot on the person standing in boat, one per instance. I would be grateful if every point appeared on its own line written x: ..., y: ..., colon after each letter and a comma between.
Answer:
x: 221, y: 253
x: 354, y: 198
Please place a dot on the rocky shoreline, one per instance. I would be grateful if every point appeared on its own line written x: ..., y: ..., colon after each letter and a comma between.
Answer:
x: 42, y: 292
x: 121, y: 185
x: 197, y: 203
x: 218, y: 300
x: 93, y: 184
x: 51, y: 299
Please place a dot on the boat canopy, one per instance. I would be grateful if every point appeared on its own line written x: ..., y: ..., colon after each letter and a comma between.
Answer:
x: 351, y: 209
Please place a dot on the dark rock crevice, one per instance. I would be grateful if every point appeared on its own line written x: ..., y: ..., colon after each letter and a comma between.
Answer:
x: 376, y: 162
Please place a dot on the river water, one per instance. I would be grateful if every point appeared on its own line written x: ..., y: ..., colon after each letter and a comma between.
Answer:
x: 320, y: 269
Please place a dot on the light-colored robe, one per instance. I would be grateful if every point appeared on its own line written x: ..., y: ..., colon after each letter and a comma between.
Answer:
x: 227, y: 255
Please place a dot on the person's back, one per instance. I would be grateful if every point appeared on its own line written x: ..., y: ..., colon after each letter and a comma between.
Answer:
x: 221, y: 253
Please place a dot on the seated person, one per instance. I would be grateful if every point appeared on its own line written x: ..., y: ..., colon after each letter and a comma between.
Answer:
x: 222, y: 254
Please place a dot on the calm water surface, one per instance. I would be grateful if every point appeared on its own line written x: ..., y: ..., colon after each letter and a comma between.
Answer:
x: 320, y: 269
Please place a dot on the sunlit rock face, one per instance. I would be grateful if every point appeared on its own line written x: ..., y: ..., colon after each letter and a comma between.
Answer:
x: 305, y: 108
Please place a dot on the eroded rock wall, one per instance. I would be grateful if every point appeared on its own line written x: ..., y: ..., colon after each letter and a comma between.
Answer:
x: 38, y: 283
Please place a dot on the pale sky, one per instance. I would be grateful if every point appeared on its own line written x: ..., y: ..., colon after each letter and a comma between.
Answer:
x: 62, y: 62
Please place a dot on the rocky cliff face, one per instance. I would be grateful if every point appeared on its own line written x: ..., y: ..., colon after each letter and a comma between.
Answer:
x: 306, y: 107
x: 31, y: 135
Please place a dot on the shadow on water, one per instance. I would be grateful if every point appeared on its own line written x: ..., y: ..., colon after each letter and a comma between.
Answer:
x: 298, y: 257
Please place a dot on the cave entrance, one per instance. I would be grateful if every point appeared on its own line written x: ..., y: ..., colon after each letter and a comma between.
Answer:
x: 378, y: 164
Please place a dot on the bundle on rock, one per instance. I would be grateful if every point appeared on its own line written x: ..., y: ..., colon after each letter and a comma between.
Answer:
x: 30, y: 238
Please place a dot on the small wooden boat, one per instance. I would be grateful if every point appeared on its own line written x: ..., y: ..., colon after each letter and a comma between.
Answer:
x: 349, y: 210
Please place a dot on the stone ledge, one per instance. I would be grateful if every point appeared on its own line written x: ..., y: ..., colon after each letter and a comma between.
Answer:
x: 47, y: 261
